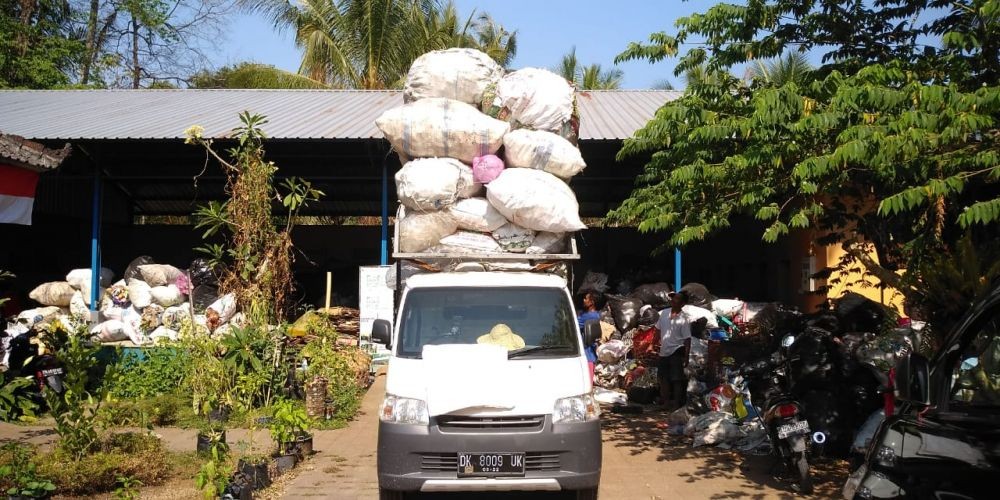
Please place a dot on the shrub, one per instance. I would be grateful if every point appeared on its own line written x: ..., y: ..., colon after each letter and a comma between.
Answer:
x: 159, y: 371
x: 134, y: 455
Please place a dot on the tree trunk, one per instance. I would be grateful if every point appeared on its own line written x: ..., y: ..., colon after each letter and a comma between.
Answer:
x: 136, y: 71
x: 28, y: 8
x: 91, y: 44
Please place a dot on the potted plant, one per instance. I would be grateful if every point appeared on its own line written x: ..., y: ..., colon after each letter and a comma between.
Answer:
x: 253, y: 465
x: 296, y: 421
x: 211, y: 435
x: 288, y: 428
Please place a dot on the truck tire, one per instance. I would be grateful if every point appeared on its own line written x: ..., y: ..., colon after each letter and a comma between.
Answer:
x: 587, y: 494
x: 384, y: 494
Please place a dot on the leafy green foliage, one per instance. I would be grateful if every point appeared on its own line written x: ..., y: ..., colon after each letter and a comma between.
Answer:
x: 158, y: 371
x: 213, y: 477
x: 139, y: 456
x: 590, y: 77
x: 128, y: 488
x: 14, y: 401
x: 248, y: 75
x: 75, y: 409
x: 19, y: 475
x: 38, y: 47
x: 288, y: 421
x: 250, y: 357
x: 889, y: 142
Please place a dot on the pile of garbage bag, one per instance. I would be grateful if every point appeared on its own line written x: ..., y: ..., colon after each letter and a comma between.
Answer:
x: 150, y: 302
x: 457, y: 195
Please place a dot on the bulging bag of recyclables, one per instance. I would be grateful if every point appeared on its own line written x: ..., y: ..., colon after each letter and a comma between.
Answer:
x: 439, y: 127
x: 460, y: 74
x: 536, y: 200
x: 533, y: 97
x: 476, y: 214
x: 547, y: 243
x: 433, y: 183
x: 485, y: 168
x: 420, y: 231
x: 514, y: 238
x: 470, y: 242
x: 56, y: 293
x: 542, y: 150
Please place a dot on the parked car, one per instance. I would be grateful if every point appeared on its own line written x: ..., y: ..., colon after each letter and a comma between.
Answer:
x: 944, y: 442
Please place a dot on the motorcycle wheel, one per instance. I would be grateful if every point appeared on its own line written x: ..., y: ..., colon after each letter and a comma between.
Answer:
x: 801, y: 471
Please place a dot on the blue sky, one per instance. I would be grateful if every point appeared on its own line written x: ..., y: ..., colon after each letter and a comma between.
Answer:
x: 546, y: 30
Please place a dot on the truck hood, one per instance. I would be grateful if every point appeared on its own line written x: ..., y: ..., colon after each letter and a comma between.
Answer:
x: 471, y: 380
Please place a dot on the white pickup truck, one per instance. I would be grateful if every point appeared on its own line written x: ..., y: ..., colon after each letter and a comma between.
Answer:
x: 487, y: 387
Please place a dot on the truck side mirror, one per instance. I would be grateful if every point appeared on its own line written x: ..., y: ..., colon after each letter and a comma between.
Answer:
x: 382, y: 333
x: 591, y: 331
x: 912, y: 380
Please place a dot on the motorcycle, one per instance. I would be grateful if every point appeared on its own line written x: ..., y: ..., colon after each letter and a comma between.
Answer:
x: 781, y: 413
x: 46, y: 371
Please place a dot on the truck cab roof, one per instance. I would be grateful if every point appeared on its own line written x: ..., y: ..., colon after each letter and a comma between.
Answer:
x: 486, y: 279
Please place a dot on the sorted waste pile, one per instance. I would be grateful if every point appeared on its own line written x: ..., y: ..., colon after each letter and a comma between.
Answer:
x: 486, y: 157
x: 150, y: 302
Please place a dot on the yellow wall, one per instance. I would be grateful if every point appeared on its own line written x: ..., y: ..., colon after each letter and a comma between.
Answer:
x: 829, y: 256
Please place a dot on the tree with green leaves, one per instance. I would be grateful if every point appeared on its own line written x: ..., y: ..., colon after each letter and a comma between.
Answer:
x: 591, y: 77
x: 370, y: 44
x: 248, y: 75
x: 892, y: 145
x: 38, y: 47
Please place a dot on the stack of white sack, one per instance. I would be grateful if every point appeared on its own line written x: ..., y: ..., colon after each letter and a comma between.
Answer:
x: 459, y: 110
x: 151, y: 303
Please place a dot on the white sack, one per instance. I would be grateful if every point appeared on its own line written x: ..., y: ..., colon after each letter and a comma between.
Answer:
x: 159, y: 274
x: 55, y: 293
x: 537, y: 98
x: 535, y: 200
x: 471, y: 242
x: 420, y: 231
x: 109, y: 331
x: 166, y: 296
x: 542, y: 150
x: 727, y: 307
x: 432, y: 183
x: 174, y: 317
x: 132, y: 326
x: 545, y: 242
x: 113, y: 312
x: 81, y: 277
x: 41, y: 314
x: 476, y: 214
x: 467, y: 185
x: 459, y: 74
x: 163, y: 333
x: 139, y: 293
x: 439, y: 127
x: 225, y: 307
x: 514, y: 238
x: 612, y: 351
x: 78, y: 307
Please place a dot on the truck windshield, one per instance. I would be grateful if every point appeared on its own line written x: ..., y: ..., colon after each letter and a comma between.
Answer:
x: 517, y: 318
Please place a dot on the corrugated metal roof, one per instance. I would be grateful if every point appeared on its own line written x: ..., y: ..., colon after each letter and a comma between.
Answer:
x: 292, y: 114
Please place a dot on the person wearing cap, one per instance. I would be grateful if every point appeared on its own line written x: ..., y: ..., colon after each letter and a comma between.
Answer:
x: 674, y: 327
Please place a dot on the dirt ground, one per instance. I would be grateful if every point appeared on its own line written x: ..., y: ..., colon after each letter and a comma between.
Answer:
x: 640, y: 462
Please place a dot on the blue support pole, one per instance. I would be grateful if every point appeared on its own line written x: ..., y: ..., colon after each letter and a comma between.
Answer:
x: 677, y: 268
x: 385, y: 214
x: 95, y: 243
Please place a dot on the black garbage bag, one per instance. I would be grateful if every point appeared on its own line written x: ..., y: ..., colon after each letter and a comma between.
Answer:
x: 648, y: 316
x: 625, y: 311
x: 642, y: 395
x: 202, y: 296
x: 698, y: 295
x: 654, y: 294
x: 593, y: 282
x: 202, y: 273
x: 132, y: 271
x: 858, y: 313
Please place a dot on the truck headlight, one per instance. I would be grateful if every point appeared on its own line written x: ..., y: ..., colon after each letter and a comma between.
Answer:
x: 399, y: 410
x: 576, y: 409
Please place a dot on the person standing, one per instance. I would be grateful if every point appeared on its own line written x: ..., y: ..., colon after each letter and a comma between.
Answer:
x: 591, y: 310
x: 674, y: 328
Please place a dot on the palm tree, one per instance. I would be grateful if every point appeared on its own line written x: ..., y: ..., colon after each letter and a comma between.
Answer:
x: 793, y: 67
x: 370, y: 44
x: 590, y: 77
x: 663, y: 84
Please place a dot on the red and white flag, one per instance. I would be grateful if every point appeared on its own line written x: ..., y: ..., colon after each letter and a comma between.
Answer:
x: 17, y: 194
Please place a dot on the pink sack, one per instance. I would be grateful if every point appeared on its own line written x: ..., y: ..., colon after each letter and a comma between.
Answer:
x: 486, y: 168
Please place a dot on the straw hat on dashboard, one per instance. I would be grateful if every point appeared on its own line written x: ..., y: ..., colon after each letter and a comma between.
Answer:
x: 502, y: 335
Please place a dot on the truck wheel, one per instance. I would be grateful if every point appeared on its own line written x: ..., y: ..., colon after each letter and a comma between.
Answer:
x: 587, y: 494
x: 384, y: 494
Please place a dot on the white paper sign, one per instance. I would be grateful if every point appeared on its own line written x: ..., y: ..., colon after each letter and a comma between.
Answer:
x: 375, y: 302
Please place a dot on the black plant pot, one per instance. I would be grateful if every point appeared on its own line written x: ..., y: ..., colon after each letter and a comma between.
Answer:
x: 285, y: 463
x: 301, y: 446
x: 205, y: 441
x: 255, y: 472
x: 239, y: 488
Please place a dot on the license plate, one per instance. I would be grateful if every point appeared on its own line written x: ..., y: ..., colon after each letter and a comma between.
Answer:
x: 801, y: 427
x: 490, y: 464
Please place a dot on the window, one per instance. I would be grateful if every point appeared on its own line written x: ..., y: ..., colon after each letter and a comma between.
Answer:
x: 538, y: 316
x: 976, y: 376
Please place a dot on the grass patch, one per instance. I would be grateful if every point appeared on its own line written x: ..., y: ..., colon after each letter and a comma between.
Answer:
x: 131, y: 454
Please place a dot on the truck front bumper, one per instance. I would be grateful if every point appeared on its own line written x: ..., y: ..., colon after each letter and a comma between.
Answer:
x: 565, y: 456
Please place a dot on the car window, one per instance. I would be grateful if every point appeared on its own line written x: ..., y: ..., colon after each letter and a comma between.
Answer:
x: 976, y: 374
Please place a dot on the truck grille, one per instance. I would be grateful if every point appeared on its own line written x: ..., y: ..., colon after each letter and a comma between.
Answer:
x: 461, y: 423
x: 448, y: 462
